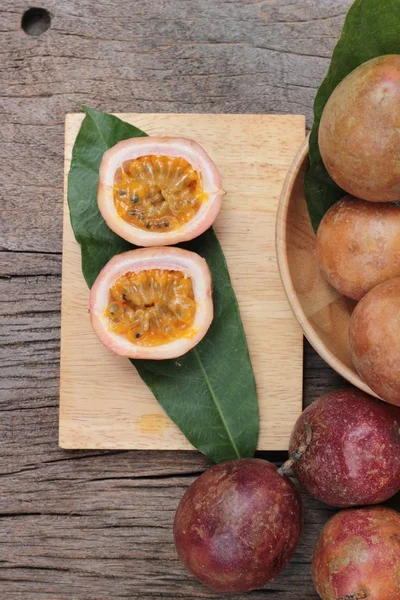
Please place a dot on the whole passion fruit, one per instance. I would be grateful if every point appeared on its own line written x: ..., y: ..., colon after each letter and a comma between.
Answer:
x: 158, y: 191
x: 359, y: 133
x: 358, y: 556
x: 353, y: 457
x: 153, y: 303
x: 358, y: 245
x: 374, y: 340
x: 238, y: 524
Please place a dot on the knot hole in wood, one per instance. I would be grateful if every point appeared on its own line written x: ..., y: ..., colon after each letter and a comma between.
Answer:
x: 35, y: 21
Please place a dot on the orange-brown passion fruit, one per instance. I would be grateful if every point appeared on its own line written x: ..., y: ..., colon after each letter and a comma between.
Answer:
x: 359, y: 133
x: 153, y: 303
x: 158, y: 191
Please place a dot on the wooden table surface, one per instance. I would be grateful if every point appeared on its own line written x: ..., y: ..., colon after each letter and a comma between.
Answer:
x: 97, y: 525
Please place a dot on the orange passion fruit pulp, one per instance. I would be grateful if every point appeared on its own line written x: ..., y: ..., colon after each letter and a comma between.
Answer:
x: 153, y: 303
x: 158, y: 191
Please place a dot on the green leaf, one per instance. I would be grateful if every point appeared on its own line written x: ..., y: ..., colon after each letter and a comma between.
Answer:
x: 371, y: 29
x: 209, y: 392
x: 99, y: 131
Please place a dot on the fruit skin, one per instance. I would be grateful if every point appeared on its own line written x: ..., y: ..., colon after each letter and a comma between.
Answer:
x: 359, y: 134
x: 238, y: 524
x: 167, y: 146
x: 153, y: 258
x: 354, y: 454
x: 358, y: 245
x: 374, y: 340
x: 359, y: 551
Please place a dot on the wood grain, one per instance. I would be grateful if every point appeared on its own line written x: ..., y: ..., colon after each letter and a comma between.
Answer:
x: 97, y: 525
x: 103, y: 402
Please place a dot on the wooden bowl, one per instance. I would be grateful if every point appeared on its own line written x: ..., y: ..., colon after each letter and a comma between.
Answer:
x: 321, y: 311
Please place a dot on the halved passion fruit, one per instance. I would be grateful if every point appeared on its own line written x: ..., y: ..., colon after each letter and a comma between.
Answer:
x: 158, y: 191
x: 152, y: 303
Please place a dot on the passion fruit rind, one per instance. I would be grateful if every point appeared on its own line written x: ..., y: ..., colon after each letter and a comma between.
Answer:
x: 172, y: 260
x: 144, y: 227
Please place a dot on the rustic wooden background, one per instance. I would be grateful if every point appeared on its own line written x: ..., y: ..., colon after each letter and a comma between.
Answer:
x: 97, y: 525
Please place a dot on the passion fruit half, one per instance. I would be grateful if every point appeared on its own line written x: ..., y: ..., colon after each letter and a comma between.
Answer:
x: 158, y: 191
x: 153, y: 303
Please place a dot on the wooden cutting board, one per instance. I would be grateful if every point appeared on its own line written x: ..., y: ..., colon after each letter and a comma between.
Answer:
x: 103, y: 402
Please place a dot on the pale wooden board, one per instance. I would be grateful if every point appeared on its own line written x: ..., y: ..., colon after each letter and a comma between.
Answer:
x: 103, y: 402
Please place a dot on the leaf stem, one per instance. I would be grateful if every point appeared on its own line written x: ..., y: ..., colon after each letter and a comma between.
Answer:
x: 214, y: 397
